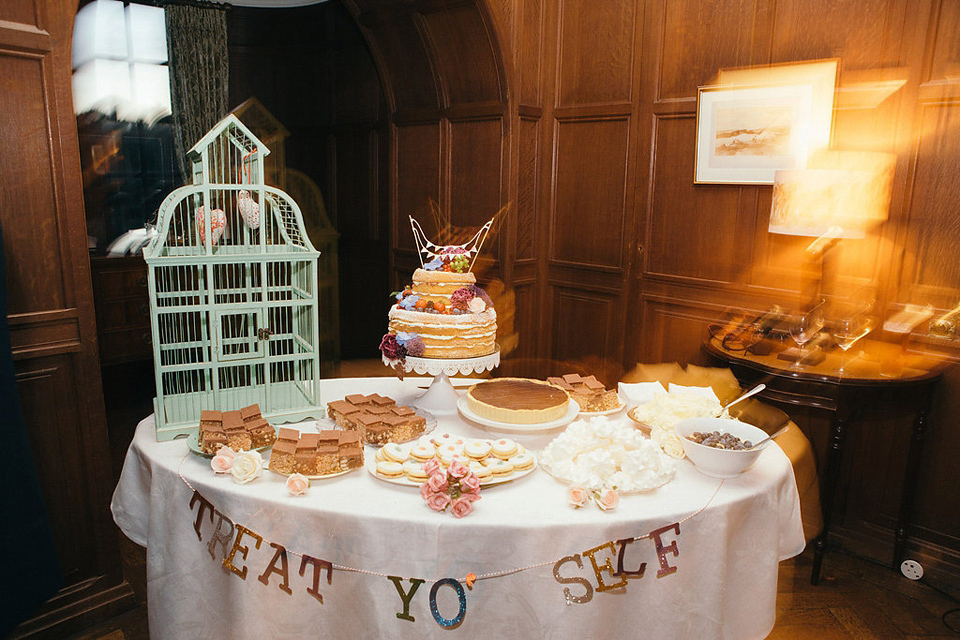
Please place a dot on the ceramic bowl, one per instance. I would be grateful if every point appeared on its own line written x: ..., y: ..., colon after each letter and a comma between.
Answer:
x: 720, y: 463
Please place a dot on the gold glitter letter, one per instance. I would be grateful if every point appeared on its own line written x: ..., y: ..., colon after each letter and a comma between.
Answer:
x: 406, y: 597
x: 665, y: 569
x: 572, y: 599
x: 606, y: 566
x: 203, y: 505
x: 281, y: 555
x: 318, y: 564
x: 228, y: 561
x: 224, y: 538
x: 620, y: 570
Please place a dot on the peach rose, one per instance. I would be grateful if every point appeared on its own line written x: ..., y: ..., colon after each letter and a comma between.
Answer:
x: 462, y: 506
x: 477, y: 305
x: 473, y: 495
x: 457, y: 469
x: 577, y: 496
x: 438, y: 501
x: 431, y: 465
x: 470, y: 482
x: 438, y: 481
x: 247, y: 466
x: 297, y: 484
x: 608, y: 499
x: 223, y: 460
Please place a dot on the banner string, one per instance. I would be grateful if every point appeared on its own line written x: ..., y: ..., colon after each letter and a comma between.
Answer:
x: 485, y: 576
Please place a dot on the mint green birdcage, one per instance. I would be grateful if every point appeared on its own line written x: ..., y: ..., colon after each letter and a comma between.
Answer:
x: 233, y: 286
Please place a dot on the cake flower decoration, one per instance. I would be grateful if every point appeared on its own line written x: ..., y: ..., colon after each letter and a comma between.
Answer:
x: 606, y: 498
x: 456, y: 487
x: 223, y: 460
x: 297, y: 484
x: 247, y: 466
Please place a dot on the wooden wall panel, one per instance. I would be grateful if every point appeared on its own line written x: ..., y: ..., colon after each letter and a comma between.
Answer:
x: 672, y: 331
x: 36, y: 286
x: 866, y: 33
x: 596, y: 51
x: 50, y: 307
x: 403, y: 60
x: 475, y: 157
x: 935, y: 226
x: 591, y: 175
x: 417, y: 152
x: 585, y: 326
x: 530, y: 55
x: 693, y: 229
x: 527, y: 210
x: 463, y: 54
x: 699, y: 38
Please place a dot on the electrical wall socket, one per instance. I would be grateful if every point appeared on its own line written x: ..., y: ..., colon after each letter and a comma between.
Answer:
x: 911, y: 569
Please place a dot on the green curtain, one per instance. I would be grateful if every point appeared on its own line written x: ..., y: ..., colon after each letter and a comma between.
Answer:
x: 199, y: 70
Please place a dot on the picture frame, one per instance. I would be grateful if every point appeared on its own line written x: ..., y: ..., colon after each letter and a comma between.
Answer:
x: 757, y: 120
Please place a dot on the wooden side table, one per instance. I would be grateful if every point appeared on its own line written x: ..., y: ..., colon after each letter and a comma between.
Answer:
x: 908, y: 384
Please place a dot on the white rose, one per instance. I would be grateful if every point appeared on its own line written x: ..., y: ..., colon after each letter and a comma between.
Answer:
x: 477, y: 305
x: 247, y: 466
x: 297, y: 484
x: 223, y: 461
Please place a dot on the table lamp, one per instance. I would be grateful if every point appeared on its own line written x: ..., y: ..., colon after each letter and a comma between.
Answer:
x: 842, y: 194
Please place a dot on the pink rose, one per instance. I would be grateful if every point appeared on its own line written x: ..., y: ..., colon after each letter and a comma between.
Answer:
x: 431, y: 465
x: 473, y: 495
x: 577, y: 496
x: 297, y: 484
x: 457, y: 469
x: 222, y: 462
x: 438, y: 481
x: 425, y: 491
x: 462, y: 506
x: 438, y: 501
x: 608, y: 499
x: 470, y: 482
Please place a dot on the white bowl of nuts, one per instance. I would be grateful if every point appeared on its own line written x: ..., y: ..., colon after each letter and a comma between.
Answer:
x: 720, y: 447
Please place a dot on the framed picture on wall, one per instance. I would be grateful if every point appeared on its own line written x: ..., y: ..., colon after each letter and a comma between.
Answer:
x: 757, y: 120
x: 746, y: 134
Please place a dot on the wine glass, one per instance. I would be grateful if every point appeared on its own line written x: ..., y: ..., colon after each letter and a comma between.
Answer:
x: 804, y: 327
x: 847, y: 331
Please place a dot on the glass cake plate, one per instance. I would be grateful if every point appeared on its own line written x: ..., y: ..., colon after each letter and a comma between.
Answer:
x: 607, y: 412
x: 329, y: 423
x: 193, y: 444
x: 441, y: 397
x: 335, y: 474
x: 573, y: 409
x: 371, y: 465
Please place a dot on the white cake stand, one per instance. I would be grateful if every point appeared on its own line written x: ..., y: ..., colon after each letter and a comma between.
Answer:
x: 441, y: 397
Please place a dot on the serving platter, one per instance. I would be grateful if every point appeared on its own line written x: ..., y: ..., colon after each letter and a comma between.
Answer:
x: 335, y: 474
x: 370, y: 464
x: 573, y: 410
x: 329, y: 423
x: 194, y: 445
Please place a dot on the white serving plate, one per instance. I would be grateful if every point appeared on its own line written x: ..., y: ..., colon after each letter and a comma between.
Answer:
x: 573, y: 409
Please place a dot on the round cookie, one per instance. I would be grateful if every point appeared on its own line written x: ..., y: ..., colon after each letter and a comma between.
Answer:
x: 395, y: 452
x: 483, y: 473
x: 504, y: 448
x: 390, y: 469
x: 522, y: 461
x: 477, y: 449
x: 423, y: 451
x: 500, y: 468
x: 413, y: 470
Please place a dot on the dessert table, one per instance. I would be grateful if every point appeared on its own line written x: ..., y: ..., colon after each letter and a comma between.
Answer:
x: 360, y: 557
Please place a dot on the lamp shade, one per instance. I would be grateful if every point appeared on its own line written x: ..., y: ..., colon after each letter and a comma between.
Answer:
x: 842, y: 195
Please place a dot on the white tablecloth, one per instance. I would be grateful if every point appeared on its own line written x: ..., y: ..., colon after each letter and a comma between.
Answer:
x: 724, y: 585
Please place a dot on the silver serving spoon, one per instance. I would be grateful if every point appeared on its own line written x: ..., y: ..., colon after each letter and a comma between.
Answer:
x: 771, y: 437
x: 757, y: 389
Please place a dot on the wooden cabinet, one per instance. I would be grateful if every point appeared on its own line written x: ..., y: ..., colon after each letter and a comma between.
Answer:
x: 123, y: 309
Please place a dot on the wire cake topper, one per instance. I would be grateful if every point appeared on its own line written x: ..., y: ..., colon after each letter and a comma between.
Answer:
x: 429, y: 251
